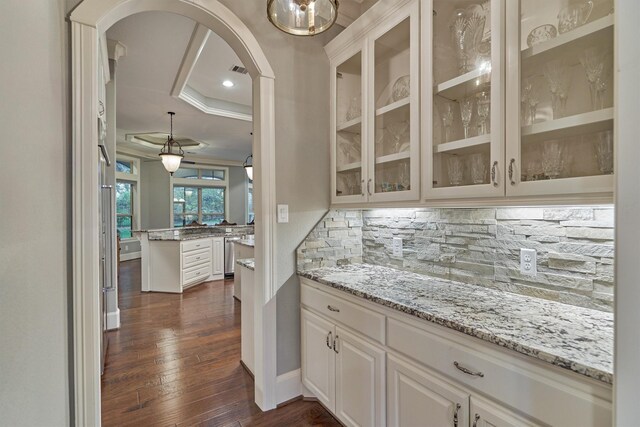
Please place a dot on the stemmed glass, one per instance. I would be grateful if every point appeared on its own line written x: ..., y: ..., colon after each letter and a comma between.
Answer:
x: 604, y: 152
x: 533, y: 100
x: 592, y: 59
x: 483, y: 107
x: 558, y: 78
x: 404, y: 176
x: 397, y: 129
x: 466, y: 112
x: 455, y: 170
x: 601, y: 83
x: 525, y: 94
x: 467, y: 27
x: 446, y: 114
x: 552, y: 161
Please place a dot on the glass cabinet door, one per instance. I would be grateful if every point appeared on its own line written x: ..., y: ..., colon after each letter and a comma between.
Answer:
x: 464, y: 105
x: 394, y: 102
x: 349, y: 153
x: 561, y: 114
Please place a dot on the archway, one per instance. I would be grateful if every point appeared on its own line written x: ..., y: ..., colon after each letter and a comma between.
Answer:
x: 88, y: 21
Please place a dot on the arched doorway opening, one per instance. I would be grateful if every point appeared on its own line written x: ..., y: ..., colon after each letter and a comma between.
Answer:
x: 89, y: 20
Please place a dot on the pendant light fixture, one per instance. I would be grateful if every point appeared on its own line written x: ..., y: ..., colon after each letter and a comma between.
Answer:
x: 302, y: 17
x: 248, y: 167
x: 171, y: 152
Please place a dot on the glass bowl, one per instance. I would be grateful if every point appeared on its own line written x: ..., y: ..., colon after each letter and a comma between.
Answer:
x: 541, y: 34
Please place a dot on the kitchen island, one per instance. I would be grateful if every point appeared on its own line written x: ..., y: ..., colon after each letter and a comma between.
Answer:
x: 175, y: 259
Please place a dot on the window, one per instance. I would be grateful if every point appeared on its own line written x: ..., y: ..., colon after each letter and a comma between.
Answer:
x: 124, y: 166
x: 205, y: 205
x: 193, y: 173
x: 124, y: 209
x: 250, y: 214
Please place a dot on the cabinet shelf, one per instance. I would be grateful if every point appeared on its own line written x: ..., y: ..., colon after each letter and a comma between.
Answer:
x: 579, y: 124
x: 352, y: 126
x: 462, y: 86
x: 393, y: 106
x: 349, y: 167
x: 463, y: 144
x: 393, y: 157
x: 573, y: 42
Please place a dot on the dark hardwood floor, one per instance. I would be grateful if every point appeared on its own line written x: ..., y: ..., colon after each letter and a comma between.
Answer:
x: 176, y: 361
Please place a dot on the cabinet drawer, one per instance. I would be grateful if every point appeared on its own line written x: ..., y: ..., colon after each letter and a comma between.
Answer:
x: 195, y: 274
x: 526, y: 386
x: 354, y: 316
x: 193, y: 258
x: 196, y: 245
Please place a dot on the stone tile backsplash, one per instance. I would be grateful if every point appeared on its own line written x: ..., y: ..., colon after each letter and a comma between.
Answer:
x: 480, y: 246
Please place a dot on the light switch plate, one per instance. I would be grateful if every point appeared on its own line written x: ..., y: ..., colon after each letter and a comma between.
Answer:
x: 283, y: 213
x: 397, y: 247
x: 528, y: 262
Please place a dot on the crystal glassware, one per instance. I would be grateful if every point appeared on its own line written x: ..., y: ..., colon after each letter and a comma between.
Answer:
x: 478, y: 168
x: 574, y: 15
x: 601, y: 83
x: 552, y: 160
x: 525, y: 93
x: 533, y: 99
x: 604, y: 152
x: 483, y: 108
x: 397, y: 129
x: 355, y: 109
x: 404, y: 178
x: 592, y: 60
x: 446, y: 114
x: 467, y: 28
x: 534, y: 170
x: 455, y: 170
x: 401, y: 89
x: 541, y: 34
x: 559, y: 80
x: 466, y: 112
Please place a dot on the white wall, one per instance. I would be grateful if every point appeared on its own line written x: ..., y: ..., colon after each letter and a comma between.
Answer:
x: 35, y: 296
x: 627, y: 365
x: 155, y: 195
x: 237, y: 195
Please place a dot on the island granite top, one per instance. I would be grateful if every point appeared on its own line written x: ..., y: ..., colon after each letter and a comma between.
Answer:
x: 249, y: 263
x: 574, y: 338
x: 194, y: 233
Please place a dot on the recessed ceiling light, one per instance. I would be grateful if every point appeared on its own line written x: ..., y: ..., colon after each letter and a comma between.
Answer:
x: 228, y: 83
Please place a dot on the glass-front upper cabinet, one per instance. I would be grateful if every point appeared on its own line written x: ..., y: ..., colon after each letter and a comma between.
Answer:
x: 393, y: 100
x: 560, y: 103
x: 349, y: 151
x: 463, y: 105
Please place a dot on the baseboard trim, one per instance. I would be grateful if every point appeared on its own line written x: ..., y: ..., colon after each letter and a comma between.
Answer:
x: 130, y: 256
x: 246, y: 368
x: 113, y: 320
x: 288, y: 386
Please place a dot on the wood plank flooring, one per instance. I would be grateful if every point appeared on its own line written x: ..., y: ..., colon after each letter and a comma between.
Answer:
x: 175, y: 361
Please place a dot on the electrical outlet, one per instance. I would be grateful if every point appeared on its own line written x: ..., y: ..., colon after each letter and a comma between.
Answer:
x: 528, y: 262
x: 126, y: 248
x: 397, y: 247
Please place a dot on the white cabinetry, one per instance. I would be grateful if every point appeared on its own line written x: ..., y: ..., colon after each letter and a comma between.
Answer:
x: 345, y: 372
x: 434, y: 376
x: 217, y: 257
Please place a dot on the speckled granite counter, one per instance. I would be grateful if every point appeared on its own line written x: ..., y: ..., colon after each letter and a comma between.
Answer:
x: 249, y: 263
x: 573, y: 338
x: 246, y: 242
x: 193, y: 233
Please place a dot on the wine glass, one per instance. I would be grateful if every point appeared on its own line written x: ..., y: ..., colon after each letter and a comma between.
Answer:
x: 533, y: 99
x: 404, y: 177
x: 397, y: 129
x: 559, y: 81
x: 478, y: 168
x: 552, y: 160
x: 455, y: 170
x: 466, y: 112
x: 604, y: 152
x: 483, y: 107
x: 525, y: 93
x: 601, y: 83
x: 446, y: 114
x: 592, y: 60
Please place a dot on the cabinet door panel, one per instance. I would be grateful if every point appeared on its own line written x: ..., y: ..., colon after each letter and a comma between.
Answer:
x: 218, y: 256
x: 417, y: 397
x: 360, y: 381
x: 488, y: 414
x: 318, y: 358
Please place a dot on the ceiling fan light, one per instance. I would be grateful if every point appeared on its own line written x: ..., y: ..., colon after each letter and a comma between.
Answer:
x: 302, y: 17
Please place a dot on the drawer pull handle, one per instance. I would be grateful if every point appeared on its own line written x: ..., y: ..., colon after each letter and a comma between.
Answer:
x: 455, y: 415
x: 329, y: 335
x: 336, y: 310
x: 475, y: 420
x: 468, y: 371
x: 335, y: 344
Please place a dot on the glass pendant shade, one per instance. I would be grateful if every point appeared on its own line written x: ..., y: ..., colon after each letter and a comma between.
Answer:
x: 302, y: 17
x: 171, y: 161
x: 249, y: 170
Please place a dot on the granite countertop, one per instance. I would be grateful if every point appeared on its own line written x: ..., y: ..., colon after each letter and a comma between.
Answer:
x: 574, y: 338
x: 194, y: 233
x: 246, y: 242
x: 249, y: 263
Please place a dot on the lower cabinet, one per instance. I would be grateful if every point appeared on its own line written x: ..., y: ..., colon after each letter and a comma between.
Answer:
x: 487, y: 414
x: 217, y: 260
x: 346, y: 373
